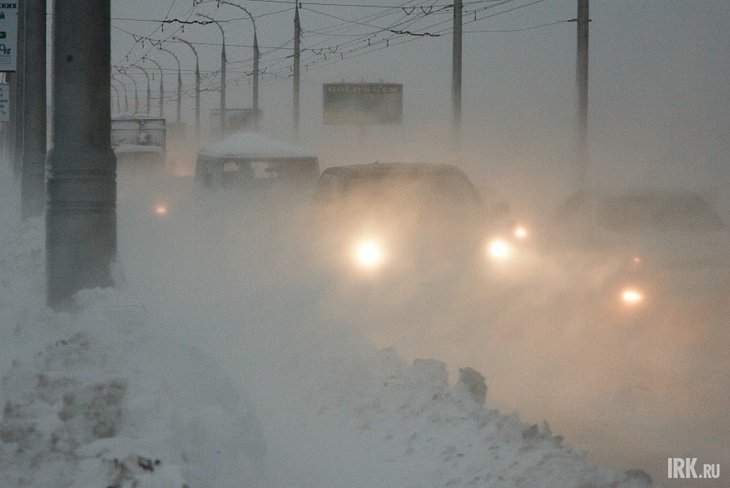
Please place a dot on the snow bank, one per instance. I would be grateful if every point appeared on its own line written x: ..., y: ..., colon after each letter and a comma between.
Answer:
x: 96, y: 400
x: 374, y: 420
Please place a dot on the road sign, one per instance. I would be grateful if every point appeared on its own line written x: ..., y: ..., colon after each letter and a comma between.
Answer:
x: 363, y: 103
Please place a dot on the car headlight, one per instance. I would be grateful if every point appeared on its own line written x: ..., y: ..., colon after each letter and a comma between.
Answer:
x: 520, y: 232
x: 500, y: 250
x: 369, y: 254
x: 632, y: 296
x: 161, y: 210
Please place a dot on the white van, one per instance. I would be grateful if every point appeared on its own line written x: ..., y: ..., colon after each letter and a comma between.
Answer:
x: 249, y: 163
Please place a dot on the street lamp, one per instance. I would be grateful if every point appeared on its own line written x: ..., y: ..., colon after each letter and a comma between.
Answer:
x: 255, y: 95
x: 223, y: 72
x: 126, y: 97
x: 197, y: 85
x: 162, y: 86
x: 116, y: 93
x: 148, y: 85
x: 136, y: 93
x: 179, y: 81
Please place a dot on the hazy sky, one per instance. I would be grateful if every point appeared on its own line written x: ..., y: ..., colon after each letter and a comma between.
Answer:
x: 658, y: 81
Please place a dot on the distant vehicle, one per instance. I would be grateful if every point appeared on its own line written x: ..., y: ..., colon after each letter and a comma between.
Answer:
x: 644, y: 247
x: 139, y: 141
x: 403, y: 219
x: 253, y: 165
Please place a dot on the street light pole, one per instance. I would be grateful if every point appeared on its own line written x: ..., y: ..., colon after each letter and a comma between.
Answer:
x: 296, y: 73
x: 456, y: 68
x: 116, y: 94
x: 136, y: 92
x: 179, y: 82
x: 223, y: 73
x: 197, y: 86
x: 162, y: 86
x: 126, y: 97
x: 33, y: 179
x: 146, y: 75
x: 583, y: 21
x: 255, y: 94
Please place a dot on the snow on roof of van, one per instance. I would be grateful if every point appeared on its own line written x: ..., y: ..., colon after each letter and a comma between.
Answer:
x: 251, y: 145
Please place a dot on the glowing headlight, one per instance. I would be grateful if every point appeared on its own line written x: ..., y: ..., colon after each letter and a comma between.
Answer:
x: 500, y: 250
x: 369, y: 254
x: 632, y: 296
x: 161, y: 210
x: 520, y: 232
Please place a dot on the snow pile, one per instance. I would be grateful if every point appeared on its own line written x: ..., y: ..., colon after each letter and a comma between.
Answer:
x: 96, y: 400
x: 374, y: 420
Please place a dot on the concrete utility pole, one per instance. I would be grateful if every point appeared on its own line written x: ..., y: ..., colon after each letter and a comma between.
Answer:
x: 583, y: 21
x: 179, y: 82
x: 223, y: 73
x: 297, y: 48
x: 33, y: 179
x: 81, y: 226
x: 456, y: 76
x: 197, y: 86
x: 162, y: 86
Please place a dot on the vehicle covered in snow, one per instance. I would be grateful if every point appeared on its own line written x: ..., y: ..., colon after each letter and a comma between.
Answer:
x: 251, y: 164
x: 419, y: 220
x: 139, y: 141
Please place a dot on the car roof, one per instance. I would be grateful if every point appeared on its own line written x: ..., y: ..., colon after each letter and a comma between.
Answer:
x: 378, y: 169
x: 249, y: 145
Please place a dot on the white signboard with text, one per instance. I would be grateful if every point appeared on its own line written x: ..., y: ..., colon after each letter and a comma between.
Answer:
x: 8, y: 35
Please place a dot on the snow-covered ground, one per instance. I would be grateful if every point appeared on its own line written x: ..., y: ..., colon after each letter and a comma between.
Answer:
x: 178, y: 379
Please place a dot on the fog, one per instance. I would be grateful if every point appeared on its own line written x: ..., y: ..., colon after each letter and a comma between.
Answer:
x: 630, y: 389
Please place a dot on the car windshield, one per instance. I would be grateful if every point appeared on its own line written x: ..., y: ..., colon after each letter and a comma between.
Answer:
x: 397, y: 188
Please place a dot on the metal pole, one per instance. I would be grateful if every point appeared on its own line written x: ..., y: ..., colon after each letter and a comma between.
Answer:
x: 19, y: 94
x: 33, y: 180
x: 582, y: 104
x: 149, y: 92
x: 116, y: 94
x: 197, y: 86
x: 179, y: 82
x: 136, y: 93
x: 456, y: 76
x: 162, y: 86
x: 9, y: 150
x: 255, y: 94
x: 81, y: 218
x: 223, y: 74
x: 297, y: 47
x: 126, y: 97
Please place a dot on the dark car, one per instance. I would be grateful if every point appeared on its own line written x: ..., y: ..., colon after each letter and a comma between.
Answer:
x: 644, y: 248
x: 402, y: 220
